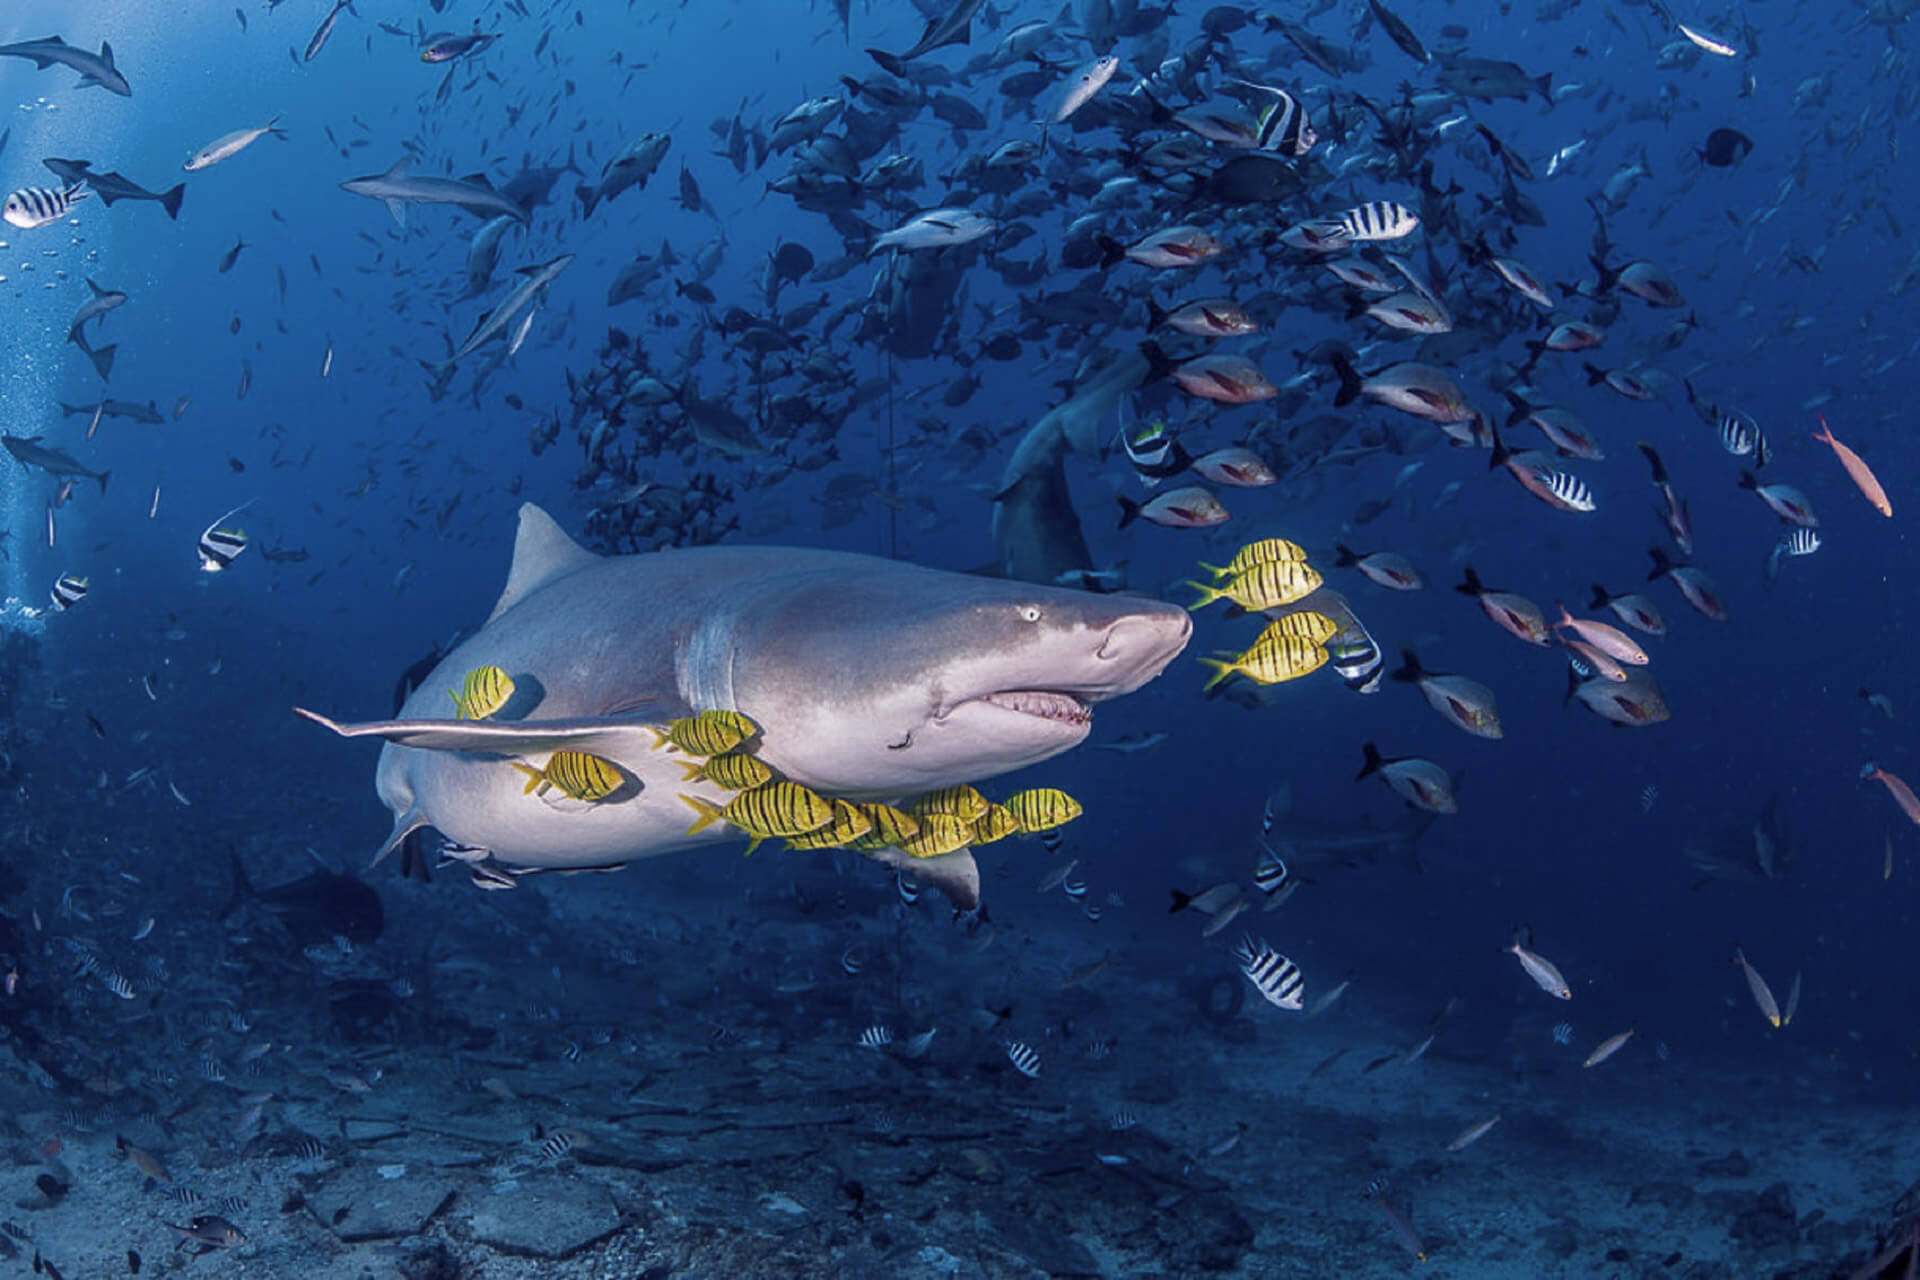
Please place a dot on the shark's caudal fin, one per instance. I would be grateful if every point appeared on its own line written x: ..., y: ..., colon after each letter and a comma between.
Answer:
x: 542, y: 552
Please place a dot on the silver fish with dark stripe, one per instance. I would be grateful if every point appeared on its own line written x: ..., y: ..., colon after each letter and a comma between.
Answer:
x: 32, y: 207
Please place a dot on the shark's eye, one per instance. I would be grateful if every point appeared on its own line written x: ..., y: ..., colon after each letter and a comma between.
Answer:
x: 1030, y: 612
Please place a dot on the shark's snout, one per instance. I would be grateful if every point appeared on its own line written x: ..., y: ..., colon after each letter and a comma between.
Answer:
x: 1140, y: 645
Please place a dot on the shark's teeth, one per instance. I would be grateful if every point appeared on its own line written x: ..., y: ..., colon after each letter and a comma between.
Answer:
x: 1039, y: 702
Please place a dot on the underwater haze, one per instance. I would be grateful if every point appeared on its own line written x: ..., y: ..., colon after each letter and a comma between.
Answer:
x: 1415, y: 488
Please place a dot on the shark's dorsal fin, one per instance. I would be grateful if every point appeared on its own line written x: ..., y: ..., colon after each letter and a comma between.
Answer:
x: 542, y: 552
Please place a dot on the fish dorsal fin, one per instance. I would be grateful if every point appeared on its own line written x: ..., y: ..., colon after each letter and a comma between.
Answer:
x: 398, y: 169
x: 542, y: 552
x: 106, y: 55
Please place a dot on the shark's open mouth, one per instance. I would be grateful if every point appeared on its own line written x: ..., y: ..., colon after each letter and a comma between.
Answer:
x: 1045, y: 704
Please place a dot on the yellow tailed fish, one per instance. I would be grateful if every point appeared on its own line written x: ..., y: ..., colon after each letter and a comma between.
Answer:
x: 733, y: 770
x: 710, y: 733
x: 939, y: 833
x: 483, y: 692
x: 1314, y: 628
x: 779, y: 808
x: 849, y: 823
x: 575, y: 775
x: 890, y: 827
x: 962, y: 801
x: 1042, y: 809
x: 1265, y: 551
x: 996, y: 824
x: 1272, y: 584
x: 1269, y: 661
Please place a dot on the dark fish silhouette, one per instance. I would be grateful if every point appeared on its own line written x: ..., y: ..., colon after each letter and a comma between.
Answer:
x: 1726, y: 147
x: 315, y: 908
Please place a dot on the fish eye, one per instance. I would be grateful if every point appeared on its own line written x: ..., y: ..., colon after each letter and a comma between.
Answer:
x: 1030, y: 612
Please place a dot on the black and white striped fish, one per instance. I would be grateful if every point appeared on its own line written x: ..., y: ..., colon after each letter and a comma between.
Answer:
x: 876, y: 1037
x: 221, y: 547
x: 1024, y: 1060
x: 1154, y: 453
x: 1270, y: 875
x: 1377, y: 220
x: 558, y: 1143
x: 118, y: 983
x: 1356, y: 655
x: 69, y: 591
x: 1569, y: 491
x: 1741, y: 436
x: 1800, y: 542
x: 32, y: 207
x: 1275, y: 977
x: 1280, y: 120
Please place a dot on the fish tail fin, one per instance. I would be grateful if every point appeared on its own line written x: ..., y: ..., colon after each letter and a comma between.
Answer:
x: 1207, y: 595
x: 752, y: 844
x: 1111, y: 250
x: 1213, y: 569
x: 1601, y: 597
x: 1825, y: 433
x: 1129, y: 510
x: 1344, y: 556
x: 1350, y: 381
x: 1181, y: 901
x: 1748, y: 480
x: 1653, y: 460
x: 1159, y: 363
x: 1662, y: 566
x: 709, y: 813
x: 103, y: 478
x: 1156, y: 315
x: 695, y: 769
x: 1373, y: 762
x: 243, y: 888
x: 1410, y: 671
x: 1472, y: 585
x: 1595, y: 374
x: 1221, y: 670
x: 170, y: 200
x: 889, y: 63
x: 660, y: 738
x: 534, y: 776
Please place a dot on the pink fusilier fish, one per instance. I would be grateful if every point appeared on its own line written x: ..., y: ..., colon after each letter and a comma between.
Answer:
x: 1517, y: 615
x: 1421, y: 783
x: 1411, y: 387
x: 1635, y: 610
x: 1694, y: 584
x: 1386, y: 568
x: 1595, y: 660
x: 1224, y: 379
x: 1190, y: 507
x: 1784, y: 500
x: 1610, y: 640
x: 1469, y: 704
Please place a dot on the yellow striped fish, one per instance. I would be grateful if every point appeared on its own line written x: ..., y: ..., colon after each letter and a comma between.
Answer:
x: 1265, y: 551
x: 483, y: 692
x: 733, y: 770
x: 1042, y: 809
x: 1272, y: 584
x: 996, y: 824
x: 1314, y: 628
x: 1269, y: 661
x: 574, y: 774
x: 961, y: 801
x: 710, y: 733
x: 890, y: 827
x: 939, y: 833
x: 849, y: 824
x: 779, y: 808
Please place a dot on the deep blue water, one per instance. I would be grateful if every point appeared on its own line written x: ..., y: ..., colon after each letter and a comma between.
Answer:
x: 1551, y: 832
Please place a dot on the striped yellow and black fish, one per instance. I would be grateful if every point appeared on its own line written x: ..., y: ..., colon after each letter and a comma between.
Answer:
x: 709, y: 733
x: 69, y: 591
x: 1303, y: 624
x: 220, y: 547
x: 848, y: 824
x: 1269, y: 661
x: 890, y: 827
x: 734, y: 770
x: 1271, y: 584
x: 1263, y: 551
x: 962, y: 801
x: 483, y: 692
x: 997, y: 823
x: 576, y: 775
x: 780, y: 808
x: 939, y: 833
x: 32, y: 207
x: 1040, y: 809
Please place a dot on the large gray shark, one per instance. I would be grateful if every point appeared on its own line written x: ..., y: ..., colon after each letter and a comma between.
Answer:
x: 94, y: 68
x: 868, y: 678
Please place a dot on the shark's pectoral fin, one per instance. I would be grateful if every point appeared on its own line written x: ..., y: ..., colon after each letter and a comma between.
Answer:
x: 404, y: 825
x: 398, y: 208
x: 954, y: 874
x: 616, y: 740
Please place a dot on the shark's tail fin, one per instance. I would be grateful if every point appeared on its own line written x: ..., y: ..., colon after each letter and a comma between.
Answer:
x: 171, y: 198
